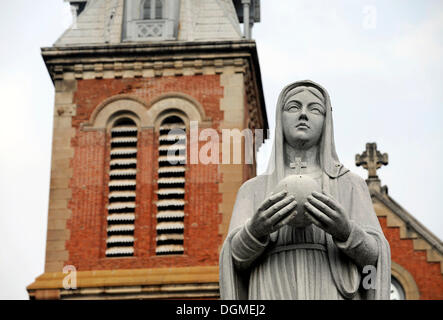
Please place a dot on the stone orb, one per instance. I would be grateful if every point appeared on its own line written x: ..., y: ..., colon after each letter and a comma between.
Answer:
x: 301, y: 187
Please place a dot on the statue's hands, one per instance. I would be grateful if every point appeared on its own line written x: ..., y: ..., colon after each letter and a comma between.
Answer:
x: 329, y: 215
x: 276, y: 211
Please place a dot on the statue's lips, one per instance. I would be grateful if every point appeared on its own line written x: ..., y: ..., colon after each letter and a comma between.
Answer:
x: 302, y: 125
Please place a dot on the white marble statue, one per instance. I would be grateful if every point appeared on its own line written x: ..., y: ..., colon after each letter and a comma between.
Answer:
x: 307, y: 228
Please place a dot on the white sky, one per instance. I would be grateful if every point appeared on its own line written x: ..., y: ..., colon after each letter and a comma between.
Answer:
x: 385, y: 84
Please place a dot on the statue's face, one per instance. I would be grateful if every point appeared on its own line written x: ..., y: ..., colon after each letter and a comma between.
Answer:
x: 302, y: 119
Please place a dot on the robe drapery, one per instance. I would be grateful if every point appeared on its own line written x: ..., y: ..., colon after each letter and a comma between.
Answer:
x: 311, y: 265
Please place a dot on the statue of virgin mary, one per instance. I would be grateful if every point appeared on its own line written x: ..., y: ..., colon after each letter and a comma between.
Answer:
x: 306, y: 229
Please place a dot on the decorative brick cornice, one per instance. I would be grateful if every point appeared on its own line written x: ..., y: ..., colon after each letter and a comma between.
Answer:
x: 178, y: 283
x: 138, y: 69
x: 137, y: 60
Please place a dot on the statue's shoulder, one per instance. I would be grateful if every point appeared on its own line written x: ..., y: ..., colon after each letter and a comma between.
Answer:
x: 253, y: 184
x: 354, y: 179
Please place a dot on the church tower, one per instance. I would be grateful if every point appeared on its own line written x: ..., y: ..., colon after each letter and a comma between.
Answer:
x: 124, y: 221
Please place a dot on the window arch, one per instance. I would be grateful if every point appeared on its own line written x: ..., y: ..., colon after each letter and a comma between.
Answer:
x: 152, y: 9
x: 397, y: 290
x: 122, y: 188
x: 171, y: 186
x: 405, y: 282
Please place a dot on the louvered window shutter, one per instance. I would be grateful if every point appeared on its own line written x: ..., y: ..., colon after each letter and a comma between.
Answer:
x: 171, y: 187
x: 122, y: 189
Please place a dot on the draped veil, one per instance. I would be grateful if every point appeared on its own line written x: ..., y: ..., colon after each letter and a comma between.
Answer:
x: 346, y: 275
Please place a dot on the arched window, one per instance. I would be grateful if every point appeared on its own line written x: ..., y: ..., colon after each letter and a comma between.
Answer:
x: 171, y: 186
x: 152, y: 9
x: 122, y: 189
x: 397, y: 291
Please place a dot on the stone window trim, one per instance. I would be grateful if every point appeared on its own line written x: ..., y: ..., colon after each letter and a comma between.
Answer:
x: 184, y: 106
x: 119, y: 115
x: 170, y: 113
x: 146, y: 115
x: 406, y: 280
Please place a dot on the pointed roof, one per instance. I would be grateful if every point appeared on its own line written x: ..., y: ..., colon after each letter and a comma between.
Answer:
x: 208, y: 20
x: 410, y: 228
x: 100, y: 22
x: 107, y: 21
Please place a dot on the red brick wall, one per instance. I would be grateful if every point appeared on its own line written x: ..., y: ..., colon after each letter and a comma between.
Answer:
x: 427, y: 275
x: 87, y: 243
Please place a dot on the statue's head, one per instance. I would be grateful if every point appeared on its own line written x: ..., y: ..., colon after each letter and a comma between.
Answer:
x: 303, y: 119
x: 303, y: 116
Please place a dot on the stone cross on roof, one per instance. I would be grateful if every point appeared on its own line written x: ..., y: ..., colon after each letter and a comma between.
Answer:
x: 371, y: 159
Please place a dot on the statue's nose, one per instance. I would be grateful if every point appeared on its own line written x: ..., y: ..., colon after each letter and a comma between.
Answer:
x: 303, y: 112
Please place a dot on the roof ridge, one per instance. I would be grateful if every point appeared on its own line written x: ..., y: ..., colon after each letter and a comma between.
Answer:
x: 432, y: 244
x: 410, y: 220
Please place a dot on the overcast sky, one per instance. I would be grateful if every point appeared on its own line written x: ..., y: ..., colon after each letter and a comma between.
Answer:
x: 381, y: 62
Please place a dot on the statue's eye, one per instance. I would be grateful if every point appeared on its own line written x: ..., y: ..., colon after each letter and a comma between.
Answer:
x: 293, y: 106
x: 316, y: 109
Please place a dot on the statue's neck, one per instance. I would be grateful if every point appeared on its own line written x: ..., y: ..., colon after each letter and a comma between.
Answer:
x: 309, y: 158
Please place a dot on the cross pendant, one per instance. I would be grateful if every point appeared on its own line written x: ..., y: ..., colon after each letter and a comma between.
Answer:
x: 297, y: 165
